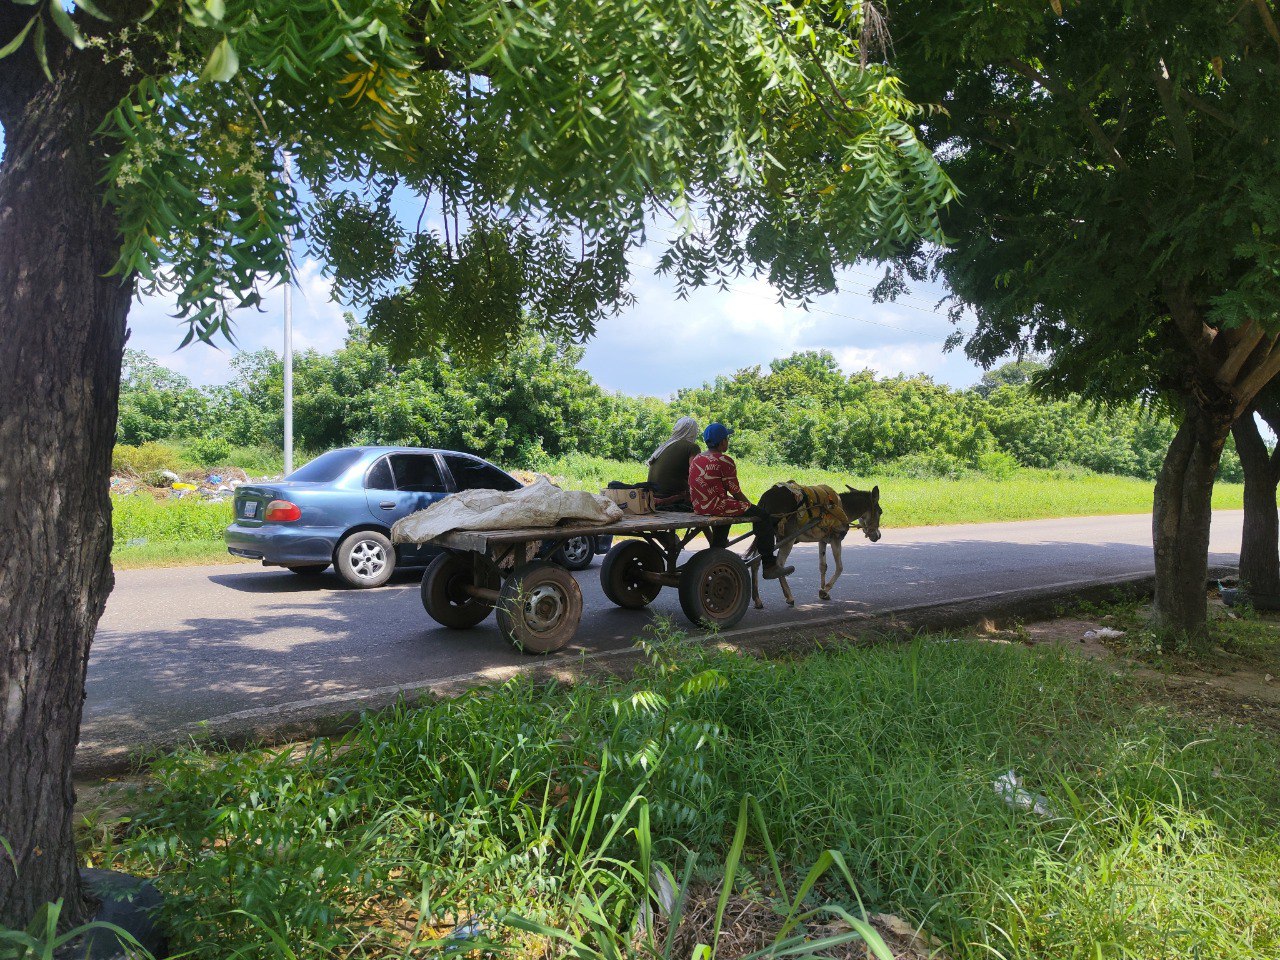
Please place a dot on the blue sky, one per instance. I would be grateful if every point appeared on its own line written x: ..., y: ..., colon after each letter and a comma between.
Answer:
x: 660, y: 344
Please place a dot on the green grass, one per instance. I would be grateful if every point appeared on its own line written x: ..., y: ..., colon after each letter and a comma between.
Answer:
x: 189, y: 531
x: 1165, y: 838
x: 917, y: 502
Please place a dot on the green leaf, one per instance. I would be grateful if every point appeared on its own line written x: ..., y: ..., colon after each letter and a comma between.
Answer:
x: 92, y: 9
x: 42, y: 54
x: 222, y: 64
x: 65, y: 24
x: 216, y: 9
x: 16, y: 42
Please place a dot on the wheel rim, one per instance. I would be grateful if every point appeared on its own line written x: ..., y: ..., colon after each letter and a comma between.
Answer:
x: 576, y: 550
x: 544, y: 607
x: 368, y: 559
x: 721, y: 591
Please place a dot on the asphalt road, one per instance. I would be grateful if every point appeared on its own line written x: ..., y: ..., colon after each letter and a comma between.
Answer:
x: 187, y: 644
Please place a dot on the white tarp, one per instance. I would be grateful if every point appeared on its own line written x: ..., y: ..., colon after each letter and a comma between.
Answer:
x: 541, y: 504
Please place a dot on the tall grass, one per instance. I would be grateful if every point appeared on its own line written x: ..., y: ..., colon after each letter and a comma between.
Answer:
x: 533, y: 800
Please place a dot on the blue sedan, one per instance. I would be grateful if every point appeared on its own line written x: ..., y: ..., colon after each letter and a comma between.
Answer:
x: 339, y: 508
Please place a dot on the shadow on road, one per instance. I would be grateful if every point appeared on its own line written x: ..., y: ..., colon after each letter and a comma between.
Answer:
x: 253, y: 638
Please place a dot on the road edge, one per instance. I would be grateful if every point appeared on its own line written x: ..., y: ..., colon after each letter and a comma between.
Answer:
x: 333, y: 714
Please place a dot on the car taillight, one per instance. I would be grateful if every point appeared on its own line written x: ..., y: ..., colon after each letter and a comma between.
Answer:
x: 283, y: 510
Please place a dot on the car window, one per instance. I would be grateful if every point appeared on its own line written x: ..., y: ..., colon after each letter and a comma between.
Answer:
x: 327, y: 467
x: 416, y: 473
x: 379, y: 478
x: 471, y: 474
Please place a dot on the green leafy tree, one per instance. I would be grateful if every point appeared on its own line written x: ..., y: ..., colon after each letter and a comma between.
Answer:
x: 156, y: 403
x: 1121, y: 214
x: 143, y: 152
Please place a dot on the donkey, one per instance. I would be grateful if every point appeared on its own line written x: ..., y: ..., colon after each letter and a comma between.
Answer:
x: 827, y: 516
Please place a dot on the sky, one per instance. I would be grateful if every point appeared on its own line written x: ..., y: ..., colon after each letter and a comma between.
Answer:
x: 655, y: 347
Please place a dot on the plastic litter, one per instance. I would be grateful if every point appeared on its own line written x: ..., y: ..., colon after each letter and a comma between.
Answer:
x: 183, y: 485
x: 136, y: 542
x: 1008, y: 787
x: 169, y: 475
x: 472, y: 928
x: 213, y: 479
x: 1102, y: 633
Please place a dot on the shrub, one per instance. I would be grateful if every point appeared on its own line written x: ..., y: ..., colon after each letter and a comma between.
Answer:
x: 210, y: 451
x: 145, y: 458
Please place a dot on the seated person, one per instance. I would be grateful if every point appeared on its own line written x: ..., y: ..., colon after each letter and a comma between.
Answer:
x: 715, y: 492
x: 669, y: 464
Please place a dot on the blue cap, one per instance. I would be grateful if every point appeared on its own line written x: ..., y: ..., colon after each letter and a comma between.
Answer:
x: 715, y: 434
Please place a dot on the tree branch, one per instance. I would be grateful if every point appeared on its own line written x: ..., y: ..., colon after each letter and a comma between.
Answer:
x: 1177, y: 121
x: 1258, y: 378
x: 1105, y: 145
x: 1195, y: 332
x: 1208, y: 109
x: 1250, y: 336
x: 1268, y: 21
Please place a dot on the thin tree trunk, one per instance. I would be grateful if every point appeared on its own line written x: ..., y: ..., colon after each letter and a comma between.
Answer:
x: 62, y: 333
x: 1180, y: 526
x: 1259, y: 557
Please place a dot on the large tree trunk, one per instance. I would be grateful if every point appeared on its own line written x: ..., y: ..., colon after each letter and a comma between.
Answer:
x: 1180, y: 525
x: 1259, y: 558
x: 62, y: 332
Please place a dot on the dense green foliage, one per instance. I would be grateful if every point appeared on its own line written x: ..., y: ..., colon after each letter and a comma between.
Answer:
x: 540, y: 799
x: 535, y: 403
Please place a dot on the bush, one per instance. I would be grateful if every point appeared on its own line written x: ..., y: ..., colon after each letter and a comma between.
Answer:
x: 210, y: 451
x: 145, y: 458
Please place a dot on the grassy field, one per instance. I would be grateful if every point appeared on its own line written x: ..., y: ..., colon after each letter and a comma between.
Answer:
x: 1160, y: 837
x: 171, y: 532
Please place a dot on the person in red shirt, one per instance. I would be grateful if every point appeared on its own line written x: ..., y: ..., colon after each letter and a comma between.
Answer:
x: 714, y: 491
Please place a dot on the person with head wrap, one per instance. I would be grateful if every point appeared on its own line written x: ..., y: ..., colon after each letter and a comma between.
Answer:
x: 669, y: 463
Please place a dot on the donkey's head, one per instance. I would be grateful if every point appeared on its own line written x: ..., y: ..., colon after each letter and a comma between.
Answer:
x: 863, y: 507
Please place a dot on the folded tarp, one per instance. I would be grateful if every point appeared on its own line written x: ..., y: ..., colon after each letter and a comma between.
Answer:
x: 541, y: 504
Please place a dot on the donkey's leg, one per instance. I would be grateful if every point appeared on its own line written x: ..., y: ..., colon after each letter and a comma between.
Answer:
x: 783, y: 553
x: 755, y: 586
x: 822, y: 571
x: 837, y: 556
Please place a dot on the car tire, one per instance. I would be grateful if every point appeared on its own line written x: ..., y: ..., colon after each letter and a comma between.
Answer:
x: 310, y: 570
x: 365, y: 559
x: 576, y: 553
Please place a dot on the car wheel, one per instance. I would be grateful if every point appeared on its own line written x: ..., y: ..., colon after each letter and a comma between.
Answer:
x: 576, y: 553
x: 366, y: 559
x: 311, y: 569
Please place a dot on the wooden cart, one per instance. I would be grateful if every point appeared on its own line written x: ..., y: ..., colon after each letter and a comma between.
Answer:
x: 539, y: 603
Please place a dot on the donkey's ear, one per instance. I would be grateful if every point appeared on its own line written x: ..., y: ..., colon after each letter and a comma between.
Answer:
x: 875, y: 493
x: 850, y: 489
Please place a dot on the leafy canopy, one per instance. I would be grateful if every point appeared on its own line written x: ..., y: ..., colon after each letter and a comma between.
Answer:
x: 533, y: 144
x: 1118, y: 161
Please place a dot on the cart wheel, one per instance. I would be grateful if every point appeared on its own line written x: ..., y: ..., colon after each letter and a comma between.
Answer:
x: 443, y: 588
x: 540, y: 607
x: 618, y: 573
x: 715, y: 588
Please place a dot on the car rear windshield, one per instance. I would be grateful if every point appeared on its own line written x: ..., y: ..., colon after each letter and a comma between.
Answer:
x: 326, y: 467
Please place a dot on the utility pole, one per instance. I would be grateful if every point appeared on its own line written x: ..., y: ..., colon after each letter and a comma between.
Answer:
x: 288, y: 336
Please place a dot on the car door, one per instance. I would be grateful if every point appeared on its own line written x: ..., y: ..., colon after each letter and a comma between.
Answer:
x: 401, y: 483
x: 472, y: 473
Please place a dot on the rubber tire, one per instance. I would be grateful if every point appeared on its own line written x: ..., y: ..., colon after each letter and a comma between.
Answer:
x: 718, y: 562
x: 310, y: 570
x: 580, y: 564
x: 623, y: 590
x: 511, y: 612
x: 343, y: 559
x: 443, y: 601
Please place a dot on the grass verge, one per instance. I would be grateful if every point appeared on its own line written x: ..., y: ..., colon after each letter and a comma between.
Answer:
x: 551, y: 803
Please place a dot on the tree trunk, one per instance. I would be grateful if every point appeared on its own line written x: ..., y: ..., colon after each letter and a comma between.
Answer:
x: 1180, y: 525
x: 1259, y: 559
x: 62, y: 333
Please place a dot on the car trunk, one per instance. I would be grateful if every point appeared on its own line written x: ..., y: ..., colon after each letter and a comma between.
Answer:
x: 251, y: 504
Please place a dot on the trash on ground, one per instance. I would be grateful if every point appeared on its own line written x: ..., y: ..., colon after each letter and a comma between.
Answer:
x: 1103, y: 633
x: 136, y: 542
x: 472, y: 928
x: 1008, y: 787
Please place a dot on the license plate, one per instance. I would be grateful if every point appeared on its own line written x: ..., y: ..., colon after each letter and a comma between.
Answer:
x: 250, y: 510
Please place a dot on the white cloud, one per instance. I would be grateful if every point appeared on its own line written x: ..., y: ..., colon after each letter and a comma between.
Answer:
x: 317, y: 324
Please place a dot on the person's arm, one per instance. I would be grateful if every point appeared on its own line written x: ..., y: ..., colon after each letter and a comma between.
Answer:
x: 731, y: 485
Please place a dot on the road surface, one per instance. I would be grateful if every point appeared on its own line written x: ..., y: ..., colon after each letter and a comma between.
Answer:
x: 186, y: 644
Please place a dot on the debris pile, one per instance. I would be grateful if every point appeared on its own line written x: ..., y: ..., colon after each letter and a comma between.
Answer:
x: 210, y: 486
